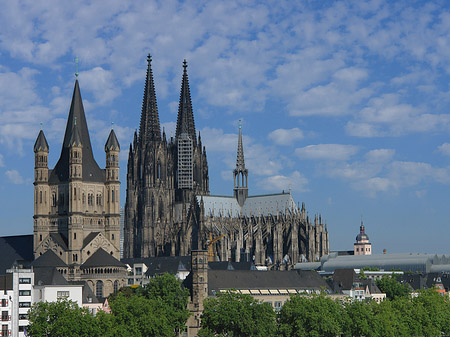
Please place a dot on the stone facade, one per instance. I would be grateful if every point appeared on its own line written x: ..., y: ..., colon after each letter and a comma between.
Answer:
x: 169, y: 210
x: 77, y: 204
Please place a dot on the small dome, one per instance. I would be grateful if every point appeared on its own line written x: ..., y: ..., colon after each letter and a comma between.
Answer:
x: 362, y: 236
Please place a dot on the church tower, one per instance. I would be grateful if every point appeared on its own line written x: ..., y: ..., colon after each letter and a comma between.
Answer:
x: 76, y: 203
x: 163, y: 177
x: 240, y: 173
x: 362, y: 245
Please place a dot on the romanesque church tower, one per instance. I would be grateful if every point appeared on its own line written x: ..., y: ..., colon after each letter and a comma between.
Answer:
x: 163, y: 176
x: 77, y: 204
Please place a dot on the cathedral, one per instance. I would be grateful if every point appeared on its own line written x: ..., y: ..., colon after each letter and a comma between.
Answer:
x: 77, y: 207
x: 169, y: 210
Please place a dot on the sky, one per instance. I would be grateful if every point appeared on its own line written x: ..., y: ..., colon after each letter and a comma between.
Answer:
x: 345, y: 103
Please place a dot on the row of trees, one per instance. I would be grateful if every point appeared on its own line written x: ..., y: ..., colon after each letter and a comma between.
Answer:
x: 234, y: 314
x: 160, y: 309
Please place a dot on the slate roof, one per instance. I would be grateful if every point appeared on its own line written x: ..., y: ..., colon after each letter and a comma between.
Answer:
x: 91, y: 170
x: 15, y: 249
x: 58, y: 238
x: 226, y: 265
x: 162, y: 264
x: 48, y: 259
x: 240, y: 279
x: 345, y: 278
x: 102, y: 259
x: 41, y: 142
x: 48, y: 276
x: 254, y: 205
x: 89, y: 238
x: 112, y: 143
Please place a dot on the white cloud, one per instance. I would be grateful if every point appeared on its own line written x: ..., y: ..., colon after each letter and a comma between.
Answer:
x: 14, y: 176
x: 387, y: 116
x: 286, y: 136
x: 327, y: 152
x: 101, y: 83
x: 1, y: 161
x: 444, y: 149
x: 296, y: 182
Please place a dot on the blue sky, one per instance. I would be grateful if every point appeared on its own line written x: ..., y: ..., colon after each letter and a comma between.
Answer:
x: 347, y: 102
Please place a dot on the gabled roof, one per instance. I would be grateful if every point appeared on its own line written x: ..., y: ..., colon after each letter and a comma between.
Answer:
x: 48, y: 276
x: 41, y: 142
x: 102, y: 259
x: 112, y: 143
x: 15, y: 249
x: 345, y: 278
x: 253, y: 206
x: 48, y: 259
x: 91, y: 170
x: 185, y: 119
x: 59, y: 239
x: 89, y: 238
x: 248, y: 279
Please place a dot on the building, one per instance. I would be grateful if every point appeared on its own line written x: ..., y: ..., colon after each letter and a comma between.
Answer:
x: 357, y: 289
x: 273, y: 286
x: 77, y: 205
x: 406, y: 262
x: 169, y: 209
x: 362, y: 245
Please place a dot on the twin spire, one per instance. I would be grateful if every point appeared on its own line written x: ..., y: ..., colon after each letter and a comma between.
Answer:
x: 149, y: 128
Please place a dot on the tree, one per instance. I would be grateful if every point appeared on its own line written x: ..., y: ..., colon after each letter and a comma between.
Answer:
x: 61, y: 319
x: 318, y: 316
x: 238, y: 315
x: 392, y: 287
x: 135, y: 316
x: 167, y: 290
x: 361, y: 319
x: 158, y: 309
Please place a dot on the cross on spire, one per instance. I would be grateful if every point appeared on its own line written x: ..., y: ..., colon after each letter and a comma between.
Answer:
x: 76, y: 66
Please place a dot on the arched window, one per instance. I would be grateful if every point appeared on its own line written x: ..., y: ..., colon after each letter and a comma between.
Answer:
x: 99, y: 289
x: 116, y: 285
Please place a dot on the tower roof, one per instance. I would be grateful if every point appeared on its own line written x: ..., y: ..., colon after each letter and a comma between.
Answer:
x: 75, y: 139
x: 362, y: 233
x: 112, y: 143
x: 41, y: 142
x: 240, y: 163
x: 91, y: 170
x: 149, y: 128
x: 185, y: 120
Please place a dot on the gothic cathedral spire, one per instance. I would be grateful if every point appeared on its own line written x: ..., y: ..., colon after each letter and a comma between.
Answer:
x: 240, y: 173
x: 149, y: 129
x: 185, y: 120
